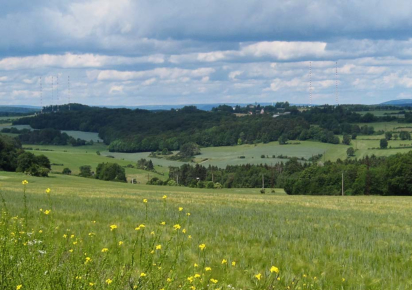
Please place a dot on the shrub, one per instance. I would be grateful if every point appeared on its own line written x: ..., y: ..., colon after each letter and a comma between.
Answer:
x: 67, y: 171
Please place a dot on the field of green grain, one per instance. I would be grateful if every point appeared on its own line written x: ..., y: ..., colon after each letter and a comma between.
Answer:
x: 90, y: 234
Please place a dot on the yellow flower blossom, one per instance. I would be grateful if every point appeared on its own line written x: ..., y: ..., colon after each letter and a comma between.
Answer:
x: 41, y: 209
x: 189, y: 236
x: 214, y: 281
x: 71, y: 250
x: 207, y: 269
x: 109, y: 281
x: 202, y: 247
x: 19, y: 287
x: 152, y: 252
x: 40, y: 231
x: 176, y: 226
x: 113, y: 227
x: 48, y: 190
x: 258, y: 276
x: 192, y: 287
x: 91, y: 234
x: 152, y: 233
x: 72, y: 236
x: 184, y: 230
x: 120, y: 243
x: 158, y: 247
x: 105, y: 250
x: 163, y: 223
x: 180, y: 208
x: 278, y: 279
x: 233, y: 263
x: 88, y: 260
x: 190, y: 279
x: 224, y: 261
x: 197, y: 276
x: 195, y: 265
x: 169, y: 280
x: 188, y: 214
x: 343, y: 279
x: 47, y: 212
x: 91, y: 284
x: 274, y: 269
x: 75, y: 242
x: 143, y: 275
x: 25, y: 182
x: 144, y: 200
x: 164, y: 197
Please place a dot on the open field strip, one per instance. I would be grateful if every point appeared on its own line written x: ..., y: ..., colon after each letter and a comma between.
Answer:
x: 316, y: 242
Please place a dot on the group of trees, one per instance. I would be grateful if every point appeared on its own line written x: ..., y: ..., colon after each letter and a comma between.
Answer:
x: 48, y: 136
x: 14, y: 158
x: 104, y: 171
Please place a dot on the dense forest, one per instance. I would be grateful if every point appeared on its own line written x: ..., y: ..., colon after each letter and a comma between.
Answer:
x: 370, y: 175
x: 138, y: 130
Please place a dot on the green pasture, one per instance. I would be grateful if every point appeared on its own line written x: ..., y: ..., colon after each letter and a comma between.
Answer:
x: 382, y: 113
x: 316, y: 242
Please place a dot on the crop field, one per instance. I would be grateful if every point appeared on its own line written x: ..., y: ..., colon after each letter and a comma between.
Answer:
x: 387, y: 126
x: 222, y: 156
x: 90, y: 234
x: 381, y: 113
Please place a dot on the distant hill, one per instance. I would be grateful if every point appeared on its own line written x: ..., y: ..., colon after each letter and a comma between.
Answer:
x: 398, y: 102
x: 18, y: 109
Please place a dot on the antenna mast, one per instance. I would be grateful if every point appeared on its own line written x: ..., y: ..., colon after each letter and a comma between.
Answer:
x: 52, y: 94
x: 57, y: 92
x: 310, y: 84
x: 336, y: 85
x: 41, y: 95
x: 68, y: 89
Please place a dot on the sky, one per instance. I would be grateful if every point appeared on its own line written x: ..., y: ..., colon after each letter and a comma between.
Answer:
x: 135, y: 52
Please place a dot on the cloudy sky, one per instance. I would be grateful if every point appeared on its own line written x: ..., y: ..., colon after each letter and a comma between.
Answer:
x: 128, y: 52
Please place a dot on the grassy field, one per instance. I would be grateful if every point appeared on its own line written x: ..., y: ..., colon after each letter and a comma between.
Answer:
x: 314, y: 242
x: 75, y: 157
x: 381, y: 113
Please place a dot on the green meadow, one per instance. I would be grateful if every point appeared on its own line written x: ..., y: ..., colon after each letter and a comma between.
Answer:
x: 91, y: 234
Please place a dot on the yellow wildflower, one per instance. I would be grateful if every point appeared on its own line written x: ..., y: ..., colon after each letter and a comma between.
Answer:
x: 40, y: 231
x: 193, y: 287
x: 72, y: 236
x: 91, y: 234
x: 214, y: 281
x: 78, y: 277
x: 190, y: 279
x: 184, y: 230
x: 207, y: 269
x: 197, y: 276
x: 188, y: 214
x: 314, y: 278
x: 91, y: 284
x: 163, y: 223
x: 304, y: 276
x: 195, y: 265
x: 88, y: 260
x: 343, y: 279
x: 279, y: 279
x: 224, y: 261
x: 169, y: 280
x: 274, y: 269
x: 19, y: 287
x: 152, y: 233
x: 158, y: 247
x: 25, y: 182
x: 202, y: 247
x: 152, y: 252
x: 258, y: 276
x: 189, y: 236
x: 48, y: 190
x: 105, y: 250
x: 41, y: 209
x: 164, y: 197
x: 176, y: 226
x: 71, y: 250
x: 113, y: 227
x: 75, y: 242
x: 142, y: 226
x: 180, y: 208
x: 120, y: 243
x: 142, y: 274
x: 233, y: 263
x: 144, y: 200
x: 109, y: 281
x: 47, y: 212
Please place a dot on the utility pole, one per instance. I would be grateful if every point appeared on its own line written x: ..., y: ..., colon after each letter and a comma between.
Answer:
x: 263, y: 181
x: 342, y: 185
